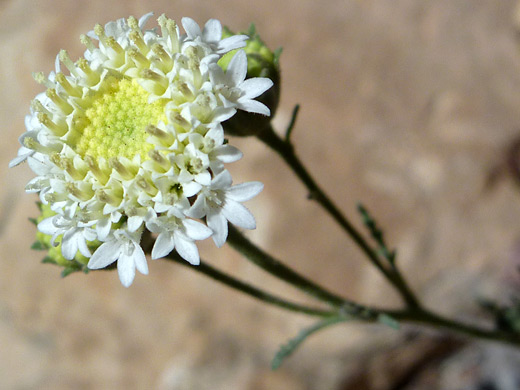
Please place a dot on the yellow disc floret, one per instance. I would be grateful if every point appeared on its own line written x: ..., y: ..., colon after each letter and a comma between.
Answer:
x: 117, y: 119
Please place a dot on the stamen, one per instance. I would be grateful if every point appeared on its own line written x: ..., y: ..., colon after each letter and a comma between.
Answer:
x: 112, y: 43
x: 58, y: 130
x: 37, y: 106
x: 81, y: 194
x: 186, y: 91
x: 65, y: 59
x: 139, y: 59
x: 125, y: 173
x: 137, y: 38
x: 101, y: 175
x: 31, y: 143
x: 169, y: 30
x: 145, y: 185
x: 87, y: 42
x: 92, y: 77
x: 68, y: 165
x: 178, y: 119
x: 58, y: 101
x: 133, y: 23
x: 40, y: 78
x: 168, y: 138
x: 151, y: 75
x: 67, y: 86
x: 110, y: 199
x: 99, y: 30
x: 157, y: 157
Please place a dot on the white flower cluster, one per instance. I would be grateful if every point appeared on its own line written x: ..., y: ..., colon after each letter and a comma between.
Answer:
x: 130, y: 138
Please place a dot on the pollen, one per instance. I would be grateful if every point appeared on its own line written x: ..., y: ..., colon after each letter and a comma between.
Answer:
x: 117, y: 119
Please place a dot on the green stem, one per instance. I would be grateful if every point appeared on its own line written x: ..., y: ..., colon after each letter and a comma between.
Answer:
x: 427, y: 318
x: 417, y: 316
x: 247, y: 289
x: 276, y: 268
x: 286, y: 152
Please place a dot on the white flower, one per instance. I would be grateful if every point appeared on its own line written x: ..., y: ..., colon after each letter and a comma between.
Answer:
x: 212, y: 34
x: 75, y: 235
x: 219, y: 203
x: 123, y: 247
x: 130, y: 135
x: 235, y: 90
x: 179, y: 234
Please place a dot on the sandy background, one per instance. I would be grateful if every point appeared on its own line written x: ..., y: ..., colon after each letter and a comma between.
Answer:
x: 406, y: 105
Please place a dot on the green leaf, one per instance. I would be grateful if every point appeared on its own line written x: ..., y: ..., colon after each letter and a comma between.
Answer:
x: 277, y: 53
x: 377, y: 235
x: 38, y: 246
x: 385, y: 319
x: 73, y: 267
x: 251, y: 32
x: 33, y: 221
x: 288, y: 349
x: 48, y: 260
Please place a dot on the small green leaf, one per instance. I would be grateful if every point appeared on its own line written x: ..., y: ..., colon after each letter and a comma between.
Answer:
x: 38, y: 246
x: 288, y: 349
x: 251, y: 32
x: 69, y: 270
x: 385, y: 319
x: 377, y: 235
x: 277, y: 53
x: 48, y: 260
x: 33, y: 221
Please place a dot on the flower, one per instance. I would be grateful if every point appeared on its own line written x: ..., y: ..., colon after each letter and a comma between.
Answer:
x: 219, y: 203
x: 129, y: 139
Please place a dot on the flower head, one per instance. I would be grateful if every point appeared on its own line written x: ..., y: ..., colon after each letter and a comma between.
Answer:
x: 129, y: 138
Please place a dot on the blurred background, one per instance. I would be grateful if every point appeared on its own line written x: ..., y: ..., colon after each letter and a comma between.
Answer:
x: 411, y: 107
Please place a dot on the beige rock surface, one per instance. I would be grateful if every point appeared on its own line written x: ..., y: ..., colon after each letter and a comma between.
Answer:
x: 406, y: 105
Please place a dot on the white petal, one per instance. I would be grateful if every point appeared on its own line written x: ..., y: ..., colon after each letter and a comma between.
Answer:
x: 217, y: 75
x: 232, y: 43
x: 254, y: 106
x: 126, y: 269
x: 191, y: 188
x: 83, y: 248
x: 186, y: 248
x: 191, y: 27
x: 134, y: 223
x: 222, y: 181
x: 221, y: 114
x: 212, y: 31
x: 143, y: 19
x: 198, y: 210
x: 255, y: 86
x: 105, y: 255
x: 47, y: 226
x: 227, y: 154
x: 218, y: 223
x: 203, y: 178
x: 140, y: 260
x: 23, y: 153
x: 69, y: 243
x: 245, y: 191
x: 237, y: 68
x: 163, y: 245
x: 238, y: 215
x: 196, y: 230
x: 103, y: 228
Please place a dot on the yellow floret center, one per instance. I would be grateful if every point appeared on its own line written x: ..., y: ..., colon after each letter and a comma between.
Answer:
x: 117, y: 119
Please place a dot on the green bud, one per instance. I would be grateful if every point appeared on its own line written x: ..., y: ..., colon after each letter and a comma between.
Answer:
x: 261, y: 62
